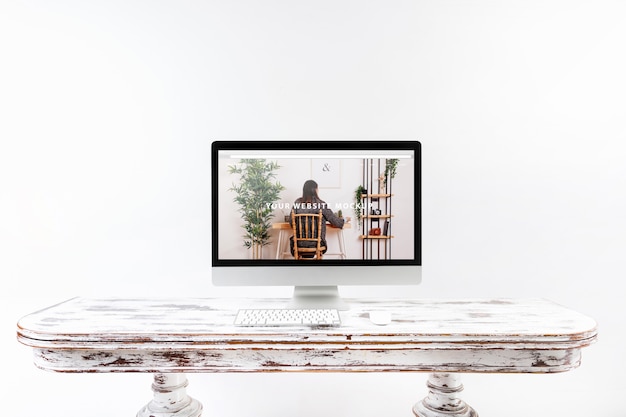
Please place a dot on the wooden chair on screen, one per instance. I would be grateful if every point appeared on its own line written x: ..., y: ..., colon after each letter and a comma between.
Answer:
x: 307, y: 228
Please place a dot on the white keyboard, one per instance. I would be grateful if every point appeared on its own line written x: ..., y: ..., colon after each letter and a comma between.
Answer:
x: 288, y: 317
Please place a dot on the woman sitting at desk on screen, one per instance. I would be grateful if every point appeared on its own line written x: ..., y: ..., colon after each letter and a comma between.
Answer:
x: 311, y: 203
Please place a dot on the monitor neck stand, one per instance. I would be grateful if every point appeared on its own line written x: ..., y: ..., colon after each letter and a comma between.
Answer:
x: 317, y: 297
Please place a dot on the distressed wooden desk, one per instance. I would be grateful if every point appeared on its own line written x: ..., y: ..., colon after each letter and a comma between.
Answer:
x: 170, y: 337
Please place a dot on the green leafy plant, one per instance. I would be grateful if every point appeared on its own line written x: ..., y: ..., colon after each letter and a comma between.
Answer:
x: 391, y: 167
x: 358, y: 203
x: 255, y: 193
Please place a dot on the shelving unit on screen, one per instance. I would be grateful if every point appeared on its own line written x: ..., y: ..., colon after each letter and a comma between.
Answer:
x: 376, y: 208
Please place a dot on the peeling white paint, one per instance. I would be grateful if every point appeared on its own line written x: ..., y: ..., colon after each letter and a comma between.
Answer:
x: 174, y: 336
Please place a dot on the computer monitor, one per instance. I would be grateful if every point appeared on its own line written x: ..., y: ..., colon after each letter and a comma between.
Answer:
x: 369, y: 193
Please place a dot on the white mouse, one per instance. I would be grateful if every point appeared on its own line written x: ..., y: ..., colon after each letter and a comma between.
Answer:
x: 380, y: 318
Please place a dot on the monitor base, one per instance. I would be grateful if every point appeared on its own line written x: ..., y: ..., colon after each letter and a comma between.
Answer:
x: 317, y: 297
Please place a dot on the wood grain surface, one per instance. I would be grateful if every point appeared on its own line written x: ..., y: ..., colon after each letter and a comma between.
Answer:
x: 198, y: 335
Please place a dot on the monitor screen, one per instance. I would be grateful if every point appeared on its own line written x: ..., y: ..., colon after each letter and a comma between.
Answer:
x: 316, y: 213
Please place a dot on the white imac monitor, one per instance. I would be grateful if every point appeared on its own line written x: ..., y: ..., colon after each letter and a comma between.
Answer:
x: 367, y: 192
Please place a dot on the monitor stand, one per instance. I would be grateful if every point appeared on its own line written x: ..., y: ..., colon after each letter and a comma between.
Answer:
x: 317, y: 297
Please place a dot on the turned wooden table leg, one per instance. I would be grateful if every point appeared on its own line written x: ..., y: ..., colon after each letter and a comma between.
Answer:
x: 442, y: 400
x: 170, y: 398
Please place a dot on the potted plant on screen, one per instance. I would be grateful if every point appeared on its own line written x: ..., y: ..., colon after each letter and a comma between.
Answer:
x: 358, y: 203
x: 391, y: 167
x: 255, y: 193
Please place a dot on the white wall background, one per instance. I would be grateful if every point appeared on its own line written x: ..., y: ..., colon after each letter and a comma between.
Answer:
x: 106, y: 113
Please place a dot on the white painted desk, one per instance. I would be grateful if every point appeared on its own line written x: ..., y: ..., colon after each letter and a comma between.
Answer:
x: 284, y: 229
x: 170, y: 337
